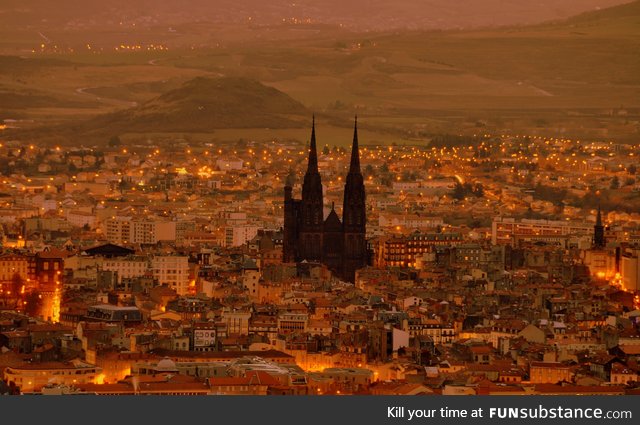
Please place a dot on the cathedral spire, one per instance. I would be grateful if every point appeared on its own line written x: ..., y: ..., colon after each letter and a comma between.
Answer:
x: 312, y: 166
x: 598, y: 231
x: 311, y: 207
x: 355, y: 151
x: 354, y: 215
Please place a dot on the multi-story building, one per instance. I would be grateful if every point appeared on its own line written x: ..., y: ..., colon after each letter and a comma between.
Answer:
x: 439, y: 332
x: 31, y: 377
x: 126, y: 267
x: 204, y: 336
x: 409, y: 221
x: 630, y: 270
x: 12, y: 265
x: 239, y: 235
x: 118, y: 229
x: 152, y: 231
x: 549, y: 373
x: 237, y: 321
x: 81, y: 218
x: 127, y: 230
x: 292, y: 322
x: 509, y: 231
x: 172, y: 271
x: 47, y: 266
x: 402, y: 251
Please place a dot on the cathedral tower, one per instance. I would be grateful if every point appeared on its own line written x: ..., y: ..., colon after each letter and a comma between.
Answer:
x: 598, y: 232
x: 354, y: 215
x: 311, y: 218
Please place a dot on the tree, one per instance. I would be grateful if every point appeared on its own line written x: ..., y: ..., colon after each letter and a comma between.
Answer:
x: 458, y: 191
x: 386, y: 180
x: 478, y: 190
x: 291, y: 177
x: 33, y: 304
x: 408, y: 176
x: 115, y: 141
x: 16, y: 284
x: 632, y: 169
x: 325, y: 150
x: 529, y: 213
x: 369, y: 170
x: 615, y: 183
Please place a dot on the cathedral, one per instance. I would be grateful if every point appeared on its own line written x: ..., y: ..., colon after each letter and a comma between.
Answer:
x: 338, y: 244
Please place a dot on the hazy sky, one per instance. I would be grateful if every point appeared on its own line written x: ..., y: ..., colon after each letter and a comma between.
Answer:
x: 368, y: 14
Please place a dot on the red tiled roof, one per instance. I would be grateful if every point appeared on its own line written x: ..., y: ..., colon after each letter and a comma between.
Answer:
x: 630, y: 349
x: 577, y: 389
x: 550, y: 365
x: 229, y: 380
x: 481, y: 349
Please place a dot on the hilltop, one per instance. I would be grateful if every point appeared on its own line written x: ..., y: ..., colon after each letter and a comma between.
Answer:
x: 623, y: 11
x: 204, y: 104
x: 620, y: 20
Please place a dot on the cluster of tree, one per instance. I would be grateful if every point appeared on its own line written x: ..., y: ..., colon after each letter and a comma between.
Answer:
x: 607, y: 199
x: 409, y: 176
x: 556, y: 196
x: 336, y: 150
x: 463, y: 190
x: 616, y: 184
x: 114, y: 142
x: 8, y: 389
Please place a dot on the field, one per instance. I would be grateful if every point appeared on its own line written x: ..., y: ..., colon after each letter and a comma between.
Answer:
x: 578, y: 78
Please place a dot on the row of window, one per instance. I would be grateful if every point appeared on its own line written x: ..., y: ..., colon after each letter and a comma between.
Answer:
x: 59, y: 372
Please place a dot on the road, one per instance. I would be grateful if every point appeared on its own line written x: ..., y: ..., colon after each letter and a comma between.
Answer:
x: 82, y: 91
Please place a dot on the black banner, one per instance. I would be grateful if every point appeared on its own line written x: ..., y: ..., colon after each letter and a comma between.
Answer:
x: 290, y: 410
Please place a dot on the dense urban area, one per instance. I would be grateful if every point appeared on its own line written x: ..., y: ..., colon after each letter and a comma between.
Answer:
x: 496, y: 264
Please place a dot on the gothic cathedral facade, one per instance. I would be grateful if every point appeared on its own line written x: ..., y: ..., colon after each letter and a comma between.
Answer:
x: 340, y: 245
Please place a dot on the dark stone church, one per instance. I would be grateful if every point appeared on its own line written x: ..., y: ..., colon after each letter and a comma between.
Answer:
x: 308, y: 236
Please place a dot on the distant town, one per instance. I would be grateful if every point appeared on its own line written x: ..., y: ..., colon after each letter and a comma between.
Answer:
x: 485, y: 264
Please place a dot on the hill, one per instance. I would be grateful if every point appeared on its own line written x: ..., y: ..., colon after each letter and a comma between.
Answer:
x: 620, y: 20
x: 624, y: 11
x: 561, y: 77
x: 205, y: 104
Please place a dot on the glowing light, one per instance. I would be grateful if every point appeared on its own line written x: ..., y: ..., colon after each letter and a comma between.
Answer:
x: 99, y: 379
x: 55, y: 310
